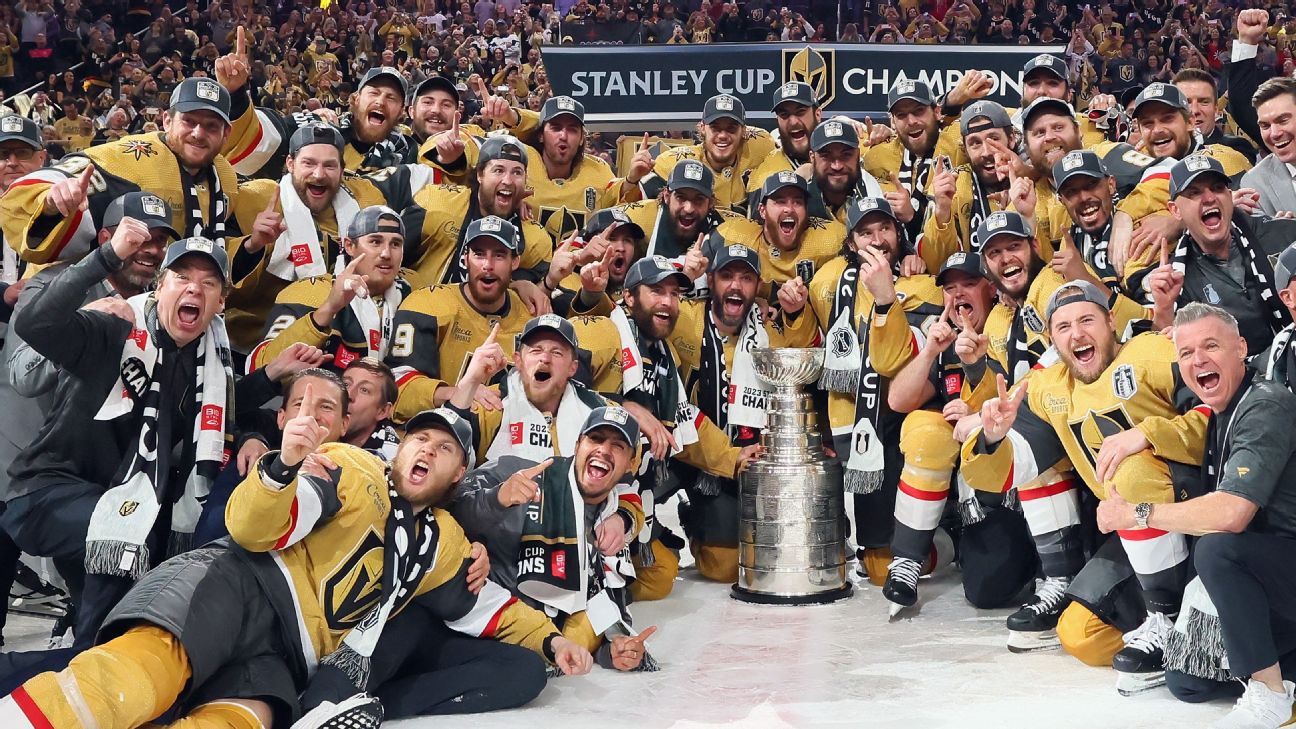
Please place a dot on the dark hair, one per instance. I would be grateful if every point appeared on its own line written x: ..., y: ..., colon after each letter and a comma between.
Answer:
x: 1272, y: 89
x: 319, y: 374
x: 374, y: 365
x: 1196, y: 74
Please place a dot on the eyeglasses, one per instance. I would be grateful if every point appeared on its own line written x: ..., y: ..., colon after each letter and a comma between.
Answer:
x: 22, y: 154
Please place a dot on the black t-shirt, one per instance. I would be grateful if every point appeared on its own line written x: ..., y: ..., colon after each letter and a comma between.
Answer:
x: 1259, y: 456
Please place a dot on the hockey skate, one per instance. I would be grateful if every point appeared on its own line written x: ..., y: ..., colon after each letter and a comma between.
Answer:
x: 32, y: 595
x: 1034, y: 626
x: 361, y: 711
x: 901, y: 588
x: 1140, y: 664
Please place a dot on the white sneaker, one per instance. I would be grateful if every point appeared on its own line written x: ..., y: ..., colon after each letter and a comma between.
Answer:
x: 1260, y: 708
x: 361, y: 711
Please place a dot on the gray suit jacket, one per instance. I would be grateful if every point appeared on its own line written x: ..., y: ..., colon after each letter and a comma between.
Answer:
x: 1271, y: 178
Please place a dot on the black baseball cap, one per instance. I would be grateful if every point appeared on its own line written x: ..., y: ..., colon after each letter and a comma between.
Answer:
x: 22, y: 129
x: 1045, y: 63
x: 1043, y: 105
x: 1074, y: 292
x: 497, y: 228
x: 198, y: 246
x: 723, y: 255
x: 613, y: 416
x: 310, y: 134
x: 965, y: 261
x: 1076, y: 163
x: 724, y: 106
x: 834, y: 131
x: 780, y: 180
x: 551, y: 323
x: 1003, y: 222
x: 601, y: 220
x: 1285, y: 267
x: 201, y: 94
x: 1190, y: 168
x: 381, y: 72
x: 145, y: 207
x: 502, y: 146
x: 437, y: 83
x: 692, y: 174
x: 651, y: 270
x: 447, y: 420
x: 797, y: 92
x: 557, y: 106
x: 862, y: 206
x: 375, y: 219
x: 996, y: 117
x: 912, y: 89
x: 1159, y: 93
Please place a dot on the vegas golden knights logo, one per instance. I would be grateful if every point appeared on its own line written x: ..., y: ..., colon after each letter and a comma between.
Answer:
x: 1127, y: 72
x: 815, y: 67
x: 128, y: 508
x: 355, y: 586
x: 1090, y: 430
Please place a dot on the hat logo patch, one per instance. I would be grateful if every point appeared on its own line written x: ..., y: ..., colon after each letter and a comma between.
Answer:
x: 153, y: 206
x: 1155, y: 91
x: 450, y: 416
x: 491, y: 224
x: 996, y: 221
x: 616, y: 415
x: 199, y: 245
x: 1043, y: 59
x: 550, y: 320
x: 208, y: 90
x: 956, y: 259
x: 868, y: 203
x: 905, y: 87
x: 725, y: 103
x: 662, y: 263
x: 11, y: 124
x: 1197, y: 163
x: 566, y: 103
x: 833, y: 129
x: 693, y: 172
x: 1072, y: 161
x: 787, y: 177
x: 738, y: 250
x: 788, y: 90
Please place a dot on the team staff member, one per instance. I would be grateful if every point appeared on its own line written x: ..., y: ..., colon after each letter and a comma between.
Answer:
x: 1222, y: 258
x: 259, y: 137
x: 294, y: 226
x: 529, y: 514
x: 55, y: 213
x: 437, y: 328
x: 222, y: 612
x: 860, y: 304
x: 371, y: 400
x: 790, y: 241
x: 730, y: 150
x: 932, y: 394
x: 349, y: 315
x: 639, y: 368
x: 440, y: 215
x: 715, y: 339
x: 66, y: 499
x: 1246, y: 525
x: 1111, y: 409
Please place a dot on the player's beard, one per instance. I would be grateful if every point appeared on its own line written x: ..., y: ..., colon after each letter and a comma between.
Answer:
x: 315, y: 204
x: 1033, y: 267
x: 722, y: 307
x: 650, y: 325
x: 925, y: 144
x: 1103, y: 356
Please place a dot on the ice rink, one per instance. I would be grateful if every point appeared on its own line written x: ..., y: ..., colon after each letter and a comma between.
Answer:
x: 731, y: 664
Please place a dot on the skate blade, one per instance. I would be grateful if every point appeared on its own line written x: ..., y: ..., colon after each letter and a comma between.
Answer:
x: 1020, y: 641
x: 1132, y: 684
x: 895, y: 610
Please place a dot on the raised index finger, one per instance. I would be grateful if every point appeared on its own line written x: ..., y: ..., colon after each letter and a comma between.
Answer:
x: 274, y: 201
x: 308, y: 402
x: 1002, y: 385
x: 494, y: 332
x: 351, y: 267
x: 643, y: 146
x: 1165, y: 256
x: 86, y: 174
x: 645, y: 635
x: 537, y: 469
x: 240, y: 43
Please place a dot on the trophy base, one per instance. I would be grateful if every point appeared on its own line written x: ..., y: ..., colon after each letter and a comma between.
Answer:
x: 764, y: 598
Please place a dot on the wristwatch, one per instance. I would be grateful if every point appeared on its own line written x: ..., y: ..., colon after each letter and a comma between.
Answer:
x: 1142, y: 513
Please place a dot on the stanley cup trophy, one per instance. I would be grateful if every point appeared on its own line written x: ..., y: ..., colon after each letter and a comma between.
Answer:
x: 791, y: 546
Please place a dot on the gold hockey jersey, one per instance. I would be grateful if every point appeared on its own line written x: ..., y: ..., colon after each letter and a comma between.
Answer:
x: 730, y: 182
x: 1151, y: 195
x: 820, y: 243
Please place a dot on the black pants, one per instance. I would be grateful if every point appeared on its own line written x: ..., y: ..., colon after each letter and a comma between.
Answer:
x: 423, y: 668
x: 998, y: 559
x: 9, y: 555
x: 1251, y: 578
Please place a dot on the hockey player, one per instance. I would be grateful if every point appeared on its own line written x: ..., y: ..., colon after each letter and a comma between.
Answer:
x: 440, y: 215
x: 371, y: 400
x: 791, y: 242
x: 642, y: 370
x: 538, y: 522
x: 349, y: 315
x: 797, y: 113
x: 865, y: 312
x: 838, y: 176
x: 730, y: 150
x: 55, y: 213
x: 1046, y: 77
x: 714, y: 339
x: 434, y: 109
x: 931, y: 392
x: 437, y: 328
x: 220, y: 644
x: 1113, y: 411
x: 610, y: 237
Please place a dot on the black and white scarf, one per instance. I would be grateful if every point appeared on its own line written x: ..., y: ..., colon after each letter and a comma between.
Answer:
x: 1093, y: 248
x: 217, y: 204
x: 117, y: 538
x: 662, y: 242
x: 395, y: 150
x: 297, y: 253
x: 409, y: 550
x: 848, y: 369
x: 383, y: 442
x: 1258, y: 268
x: 1281, y: 367
x: 981, y: 209
x: 734, y: 400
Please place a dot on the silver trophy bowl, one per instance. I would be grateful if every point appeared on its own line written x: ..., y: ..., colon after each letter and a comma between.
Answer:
x: 791, y: 545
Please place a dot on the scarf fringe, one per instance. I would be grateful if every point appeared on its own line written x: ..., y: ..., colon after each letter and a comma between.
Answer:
x: 707, y: 485
x: 846, y: 381
x: 1199, y: 650
x: 648, y: 664
x: 970, y: 511
x: 1011, y: 499
x: 348, y: 661
x: 862, y: 482
x: 179, y: 543
x: 105, y: 557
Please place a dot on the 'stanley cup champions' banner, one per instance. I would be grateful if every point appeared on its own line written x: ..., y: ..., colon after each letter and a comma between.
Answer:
x: 620, y: 85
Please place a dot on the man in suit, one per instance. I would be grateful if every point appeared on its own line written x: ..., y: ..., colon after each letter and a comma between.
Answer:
x: 1270, y: 116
